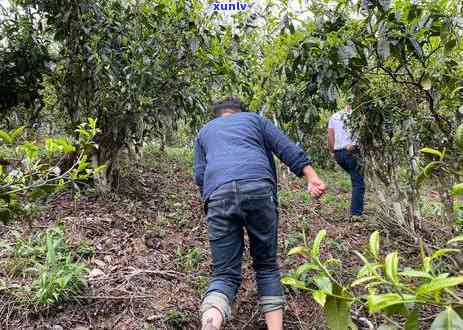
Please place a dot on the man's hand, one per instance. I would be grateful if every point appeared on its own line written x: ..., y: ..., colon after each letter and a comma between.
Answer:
x: 316, y: 187
x: 350, y: 147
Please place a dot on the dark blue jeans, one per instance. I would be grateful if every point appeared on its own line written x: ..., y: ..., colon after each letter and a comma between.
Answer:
x: 349, y: 162
x: 233, y: 207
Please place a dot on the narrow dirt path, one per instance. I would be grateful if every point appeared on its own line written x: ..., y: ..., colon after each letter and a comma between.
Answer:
x: 150, y: 262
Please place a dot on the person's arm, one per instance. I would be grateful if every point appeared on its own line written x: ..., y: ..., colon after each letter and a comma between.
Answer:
x: 315, y: 186
x: 331, y: 140
x: 331, y: 136
x: 293, y: 156
x: 199, y: 165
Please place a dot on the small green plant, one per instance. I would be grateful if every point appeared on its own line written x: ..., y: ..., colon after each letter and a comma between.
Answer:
x: 177, y: 318
x: 85, y: 249
x: 329, y: 199
x: 53, y: 273
x: 35, y: 170
x: 200, y: 285
x: 430, y: 208
x: 381, y: 286
x: 345, y: 183
x: 292, y: 240
x: 181, y: 155
x: 190, y: 260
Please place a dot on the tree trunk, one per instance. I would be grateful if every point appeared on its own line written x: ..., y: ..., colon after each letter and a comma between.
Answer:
x: 107, y: 154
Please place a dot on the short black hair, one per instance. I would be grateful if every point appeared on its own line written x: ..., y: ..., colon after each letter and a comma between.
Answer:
x: 230, y: 102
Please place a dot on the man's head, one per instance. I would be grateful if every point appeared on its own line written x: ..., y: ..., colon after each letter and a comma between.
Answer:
x: 228, y: 106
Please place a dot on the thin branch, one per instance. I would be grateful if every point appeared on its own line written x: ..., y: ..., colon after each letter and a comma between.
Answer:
x: 117, y: 297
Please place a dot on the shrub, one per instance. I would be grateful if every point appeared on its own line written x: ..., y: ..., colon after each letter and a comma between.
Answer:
x: 381, y: 286
x: 36, y: 170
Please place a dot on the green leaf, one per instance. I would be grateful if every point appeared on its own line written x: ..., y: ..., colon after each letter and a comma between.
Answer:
x: 305, y: 268
x: 320, y: 297
x: 457, y: 189
x: 442, y: 252
x: 391, y: 266
x: 337, y: 312
x: 316, y: 244
x: 363, y: 280
x: 439, y: 284
x: 31, y: 150
x: 299, y: 250
x: 415, y: 273
x: 323, y: 283
x: 5, y: 137
x: 459, y: 137
x: 431, y: 151
x: 369, y: 270
x: 14, y: 134
x: 427, y: 170
x: 292, y: 282
x: 456, y: 240
x: 92, y: 122
x: 447, y: 320
x: 450, y: 45
x: 427, y: 264
x: 374, y: 244
x: 420, y: 179
x: 376, y: 303
x: 413, y: 320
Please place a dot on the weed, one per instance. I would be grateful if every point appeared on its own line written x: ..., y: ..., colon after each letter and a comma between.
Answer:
x: 181, y: 155
x: 177, y: 318
x: 329, y: 199
x: 189, y: 261
x: 55, y: 276
x: 431, y: 208
x: 293, y: 239
x: 85, y: 249
x: 285, y: 197
x: 200, y: 284
x: 345, y: 183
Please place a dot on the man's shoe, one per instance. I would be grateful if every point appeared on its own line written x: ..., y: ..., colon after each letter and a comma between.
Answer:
x: 359, y: 218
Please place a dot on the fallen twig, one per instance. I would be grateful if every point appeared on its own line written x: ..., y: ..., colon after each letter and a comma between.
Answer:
x: 167, y: 274
x: 116, y: 297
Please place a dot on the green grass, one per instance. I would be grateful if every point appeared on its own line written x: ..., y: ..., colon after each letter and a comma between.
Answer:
x: 293, y: 239
x: 189, y: 260
x: 199, y: 284
x: 335, y: 179
x: 155, y: 158
x: 431, y: 208
x: 335, y: 200
x: 48, y: 264
x: 177, y: 318
x: 285, y: 197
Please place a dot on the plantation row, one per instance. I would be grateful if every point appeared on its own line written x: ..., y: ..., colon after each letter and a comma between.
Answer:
x: 86, y: 87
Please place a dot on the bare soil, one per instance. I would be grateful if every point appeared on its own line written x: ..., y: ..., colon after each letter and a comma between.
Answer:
x: 151, y: 255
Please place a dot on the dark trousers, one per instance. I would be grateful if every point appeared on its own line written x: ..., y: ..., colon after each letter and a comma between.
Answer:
x: 348, y: 161
x: 233, y: 207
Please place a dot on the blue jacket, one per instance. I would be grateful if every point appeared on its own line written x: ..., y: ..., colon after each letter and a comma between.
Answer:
x: 241, y: 147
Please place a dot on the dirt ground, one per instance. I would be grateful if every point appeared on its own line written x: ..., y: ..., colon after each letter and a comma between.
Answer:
x: 150, y: 261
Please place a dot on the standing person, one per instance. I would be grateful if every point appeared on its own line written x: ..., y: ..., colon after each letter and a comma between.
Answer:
x: 346, y: 153
x: 235, y: 172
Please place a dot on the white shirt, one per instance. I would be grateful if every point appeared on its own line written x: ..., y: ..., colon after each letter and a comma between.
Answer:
x: 342, y: 133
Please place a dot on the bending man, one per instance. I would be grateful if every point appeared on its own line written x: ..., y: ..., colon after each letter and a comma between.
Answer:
x: 236, y: 174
